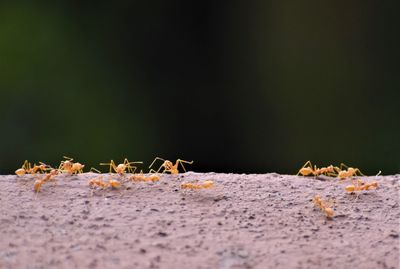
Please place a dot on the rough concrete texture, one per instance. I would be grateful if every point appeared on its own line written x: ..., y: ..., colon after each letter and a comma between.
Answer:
x: 245, y: 221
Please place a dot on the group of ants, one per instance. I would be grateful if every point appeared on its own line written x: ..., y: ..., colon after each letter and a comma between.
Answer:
x: 342, y: 172
x: 44, y: 173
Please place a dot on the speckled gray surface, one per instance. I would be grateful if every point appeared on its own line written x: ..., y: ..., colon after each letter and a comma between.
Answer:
x: 246, y: 221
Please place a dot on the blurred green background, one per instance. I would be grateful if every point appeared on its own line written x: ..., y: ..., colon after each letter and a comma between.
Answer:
x: 258, y: 86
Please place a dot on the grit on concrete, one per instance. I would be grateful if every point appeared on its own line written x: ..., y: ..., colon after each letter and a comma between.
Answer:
x: 245, y: 221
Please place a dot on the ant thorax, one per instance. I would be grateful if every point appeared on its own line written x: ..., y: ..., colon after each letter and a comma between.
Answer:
x: 168, y: 165
x: 67, y: 165
x: 120, y: 168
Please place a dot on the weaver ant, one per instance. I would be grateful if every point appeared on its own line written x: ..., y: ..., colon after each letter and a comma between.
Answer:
x: 348, y: 172
x: 122, y: 167
x: 28, y: 169
x: 169, y: 167
x: 323, y: 206
x: 70, y: 167
x: 141, y: 177
x: 361, y: 186
x: 308, y: 169
x: 48, y: 177
x: 197, y: 186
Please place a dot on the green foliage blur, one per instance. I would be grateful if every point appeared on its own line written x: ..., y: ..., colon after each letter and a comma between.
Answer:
x: 249, y: 87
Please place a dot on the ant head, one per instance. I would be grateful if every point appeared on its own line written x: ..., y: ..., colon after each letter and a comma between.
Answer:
x: 67, y: 164
x: 121, y: 168
x: 168, y: 164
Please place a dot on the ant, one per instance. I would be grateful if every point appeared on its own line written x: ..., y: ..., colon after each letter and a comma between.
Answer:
x: 322, y: 205
x: 122, y: 167
x: 169, y: 166
x: 308, y: 169
x: 48, y: 177
x: 348, y: 172
x: 197, y: 186
x: 143, y: 178
x: 99, y: 182
x: 70, y: 167
x: 28, y: 169
x: 361, y: 186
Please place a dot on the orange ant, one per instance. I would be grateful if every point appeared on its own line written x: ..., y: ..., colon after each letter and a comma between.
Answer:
x: 122, y: 167
x: 70, y: 167
x: 349, y: 172
x: 308, y: 169
x: 141, y: 177
x: 28, y: 169
x: 361, y: 186
x: 48, y: 177
x: 197, y: 186
x: 99, y: 182
x: 168, y: 166
x: 322, y: 205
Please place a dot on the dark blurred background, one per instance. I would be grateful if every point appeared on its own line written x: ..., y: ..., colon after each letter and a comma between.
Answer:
x: 256, y: 86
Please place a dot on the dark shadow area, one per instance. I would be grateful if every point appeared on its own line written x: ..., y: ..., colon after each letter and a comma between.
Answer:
x: 237, y: 87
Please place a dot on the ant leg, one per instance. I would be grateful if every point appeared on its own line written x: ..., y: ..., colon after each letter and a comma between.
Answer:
x: 342, y: 165
x: 158, y: 171
x: 179, y: 161
x: 155, y: 159
x: 26, y: 165
x: 60, y: 166
x: 129, y: 168
x: 47, y: 167
x: 331, y: 174
x: 91, y: 192
x: 127, y: 165
x: 337, y: 169
x: 29, y: 166
x: 183, y: 161
x: 92, y: 169
x: 183, y: 167
x: 359, y: 172
x: 132, y: 168
x: 113, y: 166
x: 357, y: 195
x: 308, y: 164
x: 108, y: 164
